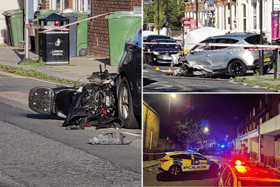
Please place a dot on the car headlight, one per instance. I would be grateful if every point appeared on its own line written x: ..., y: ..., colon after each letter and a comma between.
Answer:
x: 156, y: 53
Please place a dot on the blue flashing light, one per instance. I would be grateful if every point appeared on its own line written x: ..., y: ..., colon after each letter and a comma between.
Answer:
x: 190, y: 150
x: 222, y: 146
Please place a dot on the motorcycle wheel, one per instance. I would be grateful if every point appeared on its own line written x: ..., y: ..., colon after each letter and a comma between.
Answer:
x: 125, y: 106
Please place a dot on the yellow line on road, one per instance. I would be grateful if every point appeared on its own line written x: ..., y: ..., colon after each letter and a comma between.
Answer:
x: 12, y: 75
x: 15, y: 96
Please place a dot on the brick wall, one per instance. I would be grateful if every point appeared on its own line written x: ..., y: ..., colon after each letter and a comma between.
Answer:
x: 98, y: 35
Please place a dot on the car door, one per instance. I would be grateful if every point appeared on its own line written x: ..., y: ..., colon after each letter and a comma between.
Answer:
x: 200, y: 162
x: 186, y: 162
x: 224, y: 176
x: 221, y: 58
x: 202, y: 59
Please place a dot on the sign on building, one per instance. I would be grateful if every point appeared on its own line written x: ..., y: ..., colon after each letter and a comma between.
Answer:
x: 276, y: 5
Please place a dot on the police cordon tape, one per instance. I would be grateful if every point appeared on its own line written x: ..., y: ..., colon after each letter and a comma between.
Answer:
x: 219, y: 44
x: 63, y: 27
x: 201, y: 50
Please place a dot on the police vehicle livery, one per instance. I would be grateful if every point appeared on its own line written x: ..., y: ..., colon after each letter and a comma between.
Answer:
x: 178, y: 162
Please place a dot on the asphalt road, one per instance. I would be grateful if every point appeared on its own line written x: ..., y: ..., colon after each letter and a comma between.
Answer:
x: 153, y: 177
x: 37, y: 151
x: 160, y: 81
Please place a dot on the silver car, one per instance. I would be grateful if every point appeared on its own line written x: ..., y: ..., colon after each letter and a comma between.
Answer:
x: 234, y: 61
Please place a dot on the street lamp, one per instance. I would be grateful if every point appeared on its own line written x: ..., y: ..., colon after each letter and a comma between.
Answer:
x: 206, y: 130
x: 173, y: 95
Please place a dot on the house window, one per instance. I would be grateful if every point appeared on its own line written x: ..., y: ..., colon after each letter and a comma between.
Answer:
x: 151, y: 140
x: 254, y: 15
x: 260, y: 121
x: 233, y: 16
x: 244, y: 17
x: 260, y: 104
x: 254, y: 111
x: 254, y: 125
x: 267, y: 116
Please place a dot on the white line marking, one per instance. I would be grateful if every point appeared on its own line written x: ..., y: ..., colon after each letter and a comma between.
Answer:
x: 131, y: 134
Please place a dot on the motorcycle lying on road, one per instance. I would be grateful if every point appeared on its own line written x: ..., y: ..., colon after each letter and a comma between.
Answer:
x: 94, y: 102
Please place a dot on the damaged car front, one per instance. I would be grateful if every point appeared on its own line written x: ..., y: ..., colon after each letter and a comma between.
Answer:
x: 220, y: 58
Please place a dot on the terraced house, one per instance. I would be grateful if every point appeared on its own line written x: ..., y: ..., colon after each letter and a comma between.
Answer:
x: 236, y: 15
x: 258, y: 135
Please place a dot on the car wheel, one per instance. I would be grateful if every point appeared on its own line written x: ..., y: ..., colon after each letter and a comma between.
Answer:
x: 125, y: 106
x: 175, y: 170
x: 237, y: 68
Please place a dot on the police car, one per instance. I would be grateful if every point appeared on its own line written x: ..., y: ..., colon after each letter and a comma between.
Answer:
x: 240, y: 173
x: 178, y: 162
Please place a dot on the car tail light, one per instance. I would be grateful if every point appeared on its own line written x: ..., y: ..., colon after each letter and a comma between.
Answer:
x: 163, y: 160
x: 129, y: 46
x: 256, y: 61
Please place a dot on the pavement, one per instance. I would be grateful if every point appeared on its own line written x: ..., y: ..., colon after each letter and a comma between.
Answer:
x: 151, y: 163
x: 82, y: 67
x: 79, y: 69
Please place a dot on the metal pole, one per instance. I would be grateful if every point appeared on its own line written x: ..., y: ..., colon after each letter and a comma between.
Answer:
x: 196, y: 12
x: 261, y: 40
x: 26, y: 34
x: 158, y: 17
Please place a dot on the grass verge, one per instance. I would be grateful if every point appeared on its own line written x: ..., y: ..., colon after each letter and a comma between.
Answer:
x: 36, y: 74
x: 277, y: 87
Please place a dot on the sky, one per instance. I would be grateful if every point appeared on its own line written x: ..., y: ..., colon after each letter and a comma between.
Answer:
x: 223, y: 111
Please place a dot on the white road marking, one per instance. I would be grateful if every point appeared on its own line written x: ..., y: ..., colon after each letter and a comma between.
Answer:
x: 131, y: 134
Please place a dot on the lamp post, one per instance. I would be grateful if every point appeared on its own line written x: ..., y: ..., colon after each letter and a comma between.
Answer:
x: 173, y: 95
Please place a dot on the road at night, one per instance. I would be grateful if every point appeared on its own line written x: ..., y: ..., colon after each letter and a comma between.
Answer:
x: 154, y: 177
x: 158, y: 81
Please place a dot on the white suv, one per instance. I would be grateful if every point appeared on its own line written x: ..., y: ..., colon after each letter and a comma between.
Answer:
x: 232, y: 60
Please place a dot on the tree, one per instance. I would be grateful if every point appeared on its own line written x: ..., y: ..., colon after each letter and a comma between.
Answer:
x: 173, y: 8
x: 190, y: 131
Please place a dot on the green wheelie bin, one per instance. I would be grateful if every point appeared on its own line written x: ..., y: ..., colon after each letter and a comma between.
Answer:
x: 122, y: 26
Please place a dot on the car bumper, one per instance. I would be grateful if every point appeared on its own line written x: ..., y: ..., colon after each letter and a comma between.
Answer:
x: 256, y: 65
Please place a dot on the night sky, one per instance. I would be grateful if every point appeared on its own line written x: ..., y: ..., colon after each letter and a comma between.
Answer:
x: 224, y: 111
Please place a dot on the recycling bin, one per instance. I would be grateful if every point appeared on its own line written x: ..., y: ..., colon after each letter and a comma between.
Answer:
x: 122, y: 26
x: 54, y: 44
x: 73, y: 17
x: 14, y: 23
x: 82, y: 34
x: 37, y: 15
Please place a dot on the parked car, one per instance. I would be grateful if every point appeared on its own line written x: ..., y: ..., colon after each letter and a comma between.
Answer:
x: 158, y: 56
x: 234, y: 60
x: 129, y: 83
x: 238, y: 173
x: 177, y: 162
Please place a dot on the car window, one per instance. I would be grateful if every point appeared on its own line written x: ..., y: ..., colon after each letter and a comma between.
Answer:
x: 199, y: 157
x: 208, y: 40
x: 253, y: 39
x: 177, y: 156
x: 189, y: 157
x: 225, y: 41
x: 225, y: 174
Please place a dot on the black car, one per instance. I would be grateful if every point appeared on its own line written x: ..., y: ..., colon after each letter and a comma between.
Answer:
x: 161, y: 53
x: 129, y: 83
